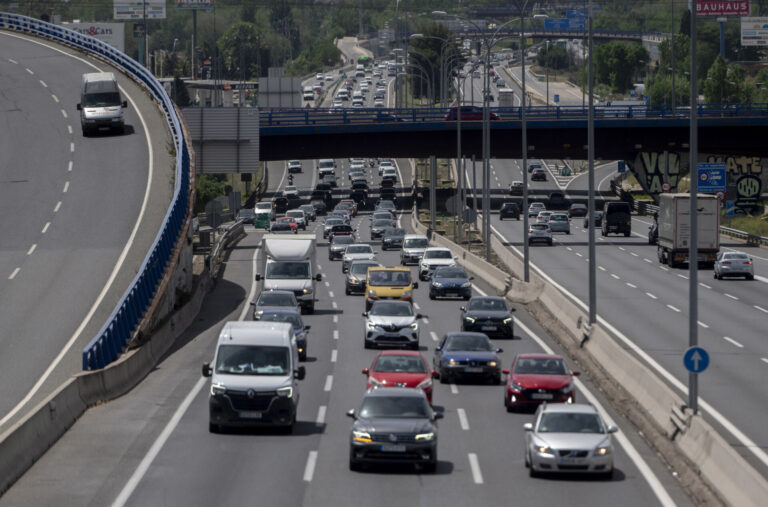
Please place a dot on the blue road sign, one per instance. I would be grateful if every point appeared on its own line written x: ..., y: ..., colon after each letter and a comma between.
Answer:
x: 730, y: 208
x: 621, y: 166
x: 696, y: 360
x: 557, y: 98
x: 711, y: 177
x: 557, y: 24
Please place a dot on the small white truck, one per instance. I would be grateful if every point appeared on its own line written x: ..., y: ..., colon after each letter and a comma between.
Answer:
x: 674, y: 223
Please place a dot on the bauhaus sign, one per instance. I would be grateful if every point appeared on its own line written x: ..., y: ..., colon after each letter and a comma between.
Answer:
x: 717, y: 8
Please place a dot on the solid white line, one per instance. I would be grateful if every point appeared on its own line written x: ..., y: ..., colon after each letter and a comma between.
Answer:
x: 631, y: 285
x: 328, y: 383
x: 433, y: 335
x: 705, y: 326
x: 32, y: 249
x: 320, y: 420
x: 45, y: 228
x: 334, y: 355
x: 674, y: 309
x: 617, y: 277
x: 57, y: 207
x: 733, y: 342
x: 705, y: 285
x: 55, y: 98
x: 14, y: 273
x: 43, y: 83
x: 309, y: 469
x: 730, y: 296
x: 477, y: 476
x: 331, y: 294
x: 335, y: 334
x: 66, y: 187
x: 69, y: 166
x: 463, y: 422
x: 651, y: 295
x: 454, y: 389
x: 64, y: 113
x: 761, y: 309
x: 158, y: 444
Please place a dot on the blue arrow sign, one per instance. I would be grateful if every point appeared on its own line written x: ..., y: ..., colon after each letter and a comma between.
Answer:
x: 696, y: 360
x: 730, y: 208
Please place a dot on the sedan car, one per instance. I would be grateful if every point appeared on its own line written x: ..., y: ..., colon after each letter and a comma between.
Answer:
x: 535, y: 378
x: 291, y: 221
x: 400, y: 368
x: 391, y: 323
x: 329, y: 223
x: 299, y: 216
x: 569, y: 438
x: 282, y: 228
x: 247, y: 215
x: 598, y: 219
x: 539, y: 175
x: 356, y: 276
x: 558, y: 222
x: 433, y: 258
x: 385, y: 204
x: 378, y: 226
x: 578, y: 210
x: 543, y: 217
x: 392, y: 237
x: 535, y: 208
x: 291, y: 192
x: 467, y: 355
x: 309, y: 211
x: 294, y: 166
x: 516, y: 188
x: 300, y: 330
x: 490, y: 315
x: 338, y: 246
x: 450, y: 281
x: 356, y: 252
x: 395, y: 425
x: 509, y: 210
x: 270, y: 300
x: 539, y: 233
x: 734, y: 264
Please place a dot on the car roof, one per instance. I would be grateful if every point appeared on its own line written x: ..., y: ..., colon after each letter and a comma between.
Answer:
x: 488, y: 297
x: 437, y: 249
x: 579, y: 408
x: 536, y: 355
x: 406, y: 392
x: 414, y: 236
x: 466, y: 333
x: 400, y: 353
x: 256, y: 332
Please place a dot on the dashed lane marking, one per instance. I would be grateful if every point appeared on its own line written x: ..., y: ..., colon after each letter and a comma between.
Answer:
x: 64, y: 113
x: 463, y: 422
x: 733, y: 342
x: 309, y: 469
x: 433, y: 335
x: 705, y: 285
x: 631, y: 285
x: 328, y: 383
x: 761, y: 309
x: 43, y: 83
x: 651, y: 295
x: 617, y: 277
x: 45, y: 228
x: 601, y: 268
x: 66, y: 187
x: 730, y: 296
x: 335, y: 334
x: 477, y: 475
x: 320, y: 419
x: 705, y: 326
x: 454, y: 389
x: 674, y: 309
x: 334, y: 355
x: 57, y: 207
x: 330, y: 294
x: 14, y: 273
x: 32, y: 249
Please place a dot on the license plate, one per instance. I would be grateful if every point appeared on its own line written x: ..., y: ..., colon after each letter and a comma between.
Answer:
x: 250, y: 414
x: 451, y: 294
x: 571, y: 461
x: 473, y: 369
x: 392, y: 448
x: 541, y: 396
x: 488, y: 328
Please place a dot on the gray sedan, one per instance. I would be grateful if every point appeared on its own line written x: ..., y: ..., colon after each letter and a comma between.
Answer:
x: 391, y: 323
x: 734, y: 264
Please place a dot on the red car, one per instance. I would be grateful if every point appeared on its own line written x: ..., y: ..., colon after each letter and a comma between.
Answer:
x: 535, y: 378
x: 289, y: 220
x: 400, y: 368
x: 469, y: 113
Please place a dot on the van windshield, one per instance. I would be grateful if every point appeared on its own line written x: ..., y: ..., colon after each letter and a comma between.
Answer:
x: 416, y: 243
x: 101, y: 99
x: 252, y: 360
x: 389, y: 278
x: 288, y: 270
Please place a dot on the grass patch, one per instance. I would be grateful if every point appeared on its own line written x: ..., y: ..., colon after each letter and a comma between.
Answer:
x: 748, y: 224
x: 444, y: 176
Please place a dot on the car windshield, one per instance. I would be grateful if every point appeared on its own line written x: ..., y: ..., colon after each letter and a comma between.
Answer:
x: 252, y: 360
x: 569, y: 422
x: 537, y: 205
x: 269, y: 298
x: 450, y: 273
x: 101, y: 99
x: 399, y: 364
x: 392, y: 308
x: 416, y: 243
x: 263, y: 205
x: 333, y: 221
x: 468, y: 343
x: 359, y: 268
x: 395, y: 233
x: 559, y: 218
x: 358, y: 249
x: 539, y: 227
x: 488, y: 304
x: 296, y: 214
x: 245, y: 213
x: 386, y: 205
x: 381, y: 222
x: 389, y: 278
x: 438, y: 254
x: 291, y: 318
x: 394, y: 407
x: 541, y: 365
x: 342, y: 240
x: 288, y: 269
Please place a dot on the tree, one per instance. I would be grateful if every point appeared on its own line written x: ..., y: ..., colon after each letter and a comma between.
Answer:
x: 618, y: 62
x: 239, y: 48
x: 427, y: 52
x: 553, y: 56
x: 179, y: 92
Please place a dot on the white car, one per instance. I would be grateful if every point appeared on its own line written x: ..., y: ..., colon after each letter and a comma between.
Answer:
x: 294, y: 166
x: 357, y: 252
x: 433, y: 258
x: 389, y: 173
x: 291, y: 192
x: 384, y: 164
x: 364, y: 88
x: 265, y: 207
x: 337, y: 102
x: 535, y: 208
x: 319, y: 76
x: 329, y: 77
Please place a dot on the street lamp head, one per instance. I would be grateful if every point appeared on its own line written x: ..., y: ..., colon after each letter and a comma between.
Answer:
x: 439, y: 13
x: 417, y: 36
x: 540, y: 16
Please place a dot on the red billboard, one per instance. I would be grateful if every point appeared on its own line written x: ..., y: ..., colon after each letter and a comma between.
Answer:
x: 719, y: 8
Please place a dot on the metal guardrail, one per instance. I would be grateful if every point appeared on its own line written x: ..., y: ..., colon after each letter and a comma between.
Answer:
x: 109, y: 342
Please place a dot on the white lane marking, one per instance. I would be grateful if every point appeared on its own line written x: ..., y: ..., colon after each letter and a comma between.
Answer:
x: 45, y: 227
x: 57, y: 207
x: 682, y: 276
x: 55, y: 98
x: 32, y: 249
x: 631, y: 285
x: 568, y: 248
x: 649, y: 261
x: 64, y: 113
x: 43, y: 83
x: 252, y: 292
x: 705, y: 326
x: 477, y: 475
x: 764, y: 359
x: 319, y: 267
x: 327, y: 284
x: 66, y: 187
x: 426, y: 320
x: 309, y: 469
x: 761, y: 278
x: 69, y: 128
x: 663, y: 268
x: 761, y: 309
x: 577, y: 253
x: 416, y: 305
x: 69, y: 166
x: 674, y: 309
x: 617, y: 277
x: 334, y: 355
x: 745, y: 441
x: 454, y: 389
x: 334, y: 305
x: 601, y: 268
x: 330, y: 294
x: 433, y: 335
x: 13, y: 61
x: 328, y: 383
x: 320, y: 419
x: 29, y: 70
x: 730, y: 296
x: 335, y: 319
x: 633, y: 254
x: 14, y: 273
x: 335, y: 334
x: 733, y: 342
x: 705, y: 285
x: 622, y: 249
x: 158, y: 444
x: 463, y: 419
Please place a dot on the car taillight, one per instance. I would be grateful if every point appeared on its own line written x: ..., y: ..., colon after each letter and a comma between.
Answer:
x: 725, y: 262
x: 549, y: 230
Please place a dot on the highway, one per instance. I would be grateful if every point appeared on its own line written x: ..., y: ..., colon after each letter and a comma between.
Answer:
x: 152, y: 446
x: 77, y: 215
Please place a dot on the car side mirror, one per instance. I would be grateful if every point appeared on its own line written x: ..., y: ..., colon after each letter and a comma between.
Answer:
x: 207, y: 370
x: 79, y: 107
x: 258, y: 277
x: 419, y: 316
x: 505, y: 371
x: 366, y: 371
x: 300, y: 373
x: 499, y: 350
x: 365, y: 314
x: 415, y: 285
x: 351, y: 413
x: 435, y: 374
x: 438, y: 348
x: 319, y: 277
x: 528, y: 426
x: 437, y: 415
x: 463, y: 308
x: 575, y: 373
x: 471, y: 278
x: 124, y: 104
x: 613, y: 429
x: 253, y: 303
x: 513, y: 309
x: 307, y: 327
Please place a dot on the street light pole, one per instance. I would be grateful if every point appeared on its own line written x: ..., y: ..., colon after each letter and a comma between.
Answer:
x: 524, y: 136
x: 546, y: 60
x: 693, y: 264
x: 591, y: 183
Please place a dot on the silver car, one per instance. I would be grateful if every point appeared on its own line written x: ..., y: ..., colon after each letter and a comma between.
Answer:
x: 571, y: 438
x: 357, y: 273
x: 356, y: 252
x: 413, y: 248
x: 309, y: 211
x: 535, y: 208
x: 543, y: 217
x: 391, y: 323
x: 539, y: 233
x: 433, y: 258
x: 558, y: 222
x: 734, y: 264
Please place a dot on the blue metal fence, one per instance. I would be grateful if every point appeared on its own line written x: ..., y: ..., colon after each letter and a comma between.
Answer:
x: 109, y: 342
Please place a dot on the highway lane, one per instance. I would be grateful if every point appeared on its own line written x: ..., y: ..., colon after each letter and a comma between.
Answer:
x: 78, y: 214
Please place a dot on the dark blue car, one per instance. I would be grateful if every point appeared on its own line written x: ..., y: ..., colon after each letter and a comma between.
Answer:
x: 467, y: 356
x: 300, y: 330
x: 450, y: 281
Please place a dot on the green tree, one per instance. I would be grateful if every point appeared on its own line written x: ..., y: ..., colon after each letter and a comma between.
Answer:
x: 437, y: 46
x: 553, y: 56
x: 238, y: 50
x: 179, y: 92
x: 618, y: 62
x: 208, y: 187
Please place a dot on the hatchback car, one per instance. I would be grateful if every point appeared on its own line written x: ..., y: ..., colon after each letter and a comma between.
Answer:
x: 391, y: 323
x: 400, y: 368
x: 270, y: 300
x: 467, y: 355
x: 300, y: 330
x: 395, y: 425
x: 357, y: 273
x: 516, y: 188
x: 299, y: 216
x: 378, y: 226
x: 490, y: 315
x: 598, y: 219
x: 569, y: 438
x: 539, y: 233
x: 535, y: 208
x: 450, y: 281
x: 356, y: 252
x: 543, y: 217
x: 392, y: 237
x: 509, y: 210
x: 433, y: 258
x: 558, y: 222
x: 338, y: 246
x: 539, y: 175
x: 413, y: 248
x: 535, y: 378
x: 734, y: 264
x: 578, y: 210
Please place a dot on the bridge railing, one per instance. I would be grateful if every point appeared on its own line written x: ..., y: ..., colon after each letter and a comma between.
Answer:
x: 109, y: 342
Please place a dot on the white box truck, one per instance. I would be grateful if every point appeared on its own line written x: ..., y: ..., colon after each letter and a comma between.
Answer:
x: 287, y: 262
x: 675, y: 228
x: 506, y: 97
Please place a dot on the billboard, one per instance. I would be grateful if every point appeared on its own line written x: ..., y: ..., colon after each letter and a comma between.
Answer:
x: 126, y: 9
x: 206, y: 5
x: 720, y: 8
x: 110, y: 33
x: 754, y: 31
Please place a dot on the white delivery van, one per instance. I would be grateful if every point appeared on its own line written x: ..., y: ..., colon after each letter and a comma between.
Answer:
x: 254, y: 376
x: 101, y: 106
x: 309, y: 93
x: 287, y: 262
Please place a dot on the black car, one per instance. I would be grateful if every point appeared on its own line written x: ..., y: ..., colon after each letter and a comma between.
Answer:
x: 378, y: 226
x: 578, y: 210
x: 488, y: 314
x: 360, y: 185
x: 330, y: 180
x: 360, y: 197
x: 509, y: 210
x: 247, y: 215
x: 467, y: 355
x: 450, y: 281
x: 280, y: 204
x: 394, y: 425
x: 598, y: 219
x: 539, y: 175
x: 338, y: 245
x: 557, y: 200
x: 617, y: 218
x: 392, y: 238
x: 388, y: 194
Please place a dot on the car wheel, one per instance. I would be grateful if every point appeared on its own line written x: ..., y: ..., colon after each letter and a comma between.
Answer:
x: 496, y: 380
x: 354, y: 466
x: 714, y: 275
x: 501, y: 219
x: 750, y: 277
x: 607, y: 476
x: 347, y: 291
x: 310, y: 309
x: 430, y: 467
x: 549, y: 242
x: 444, y: 378
x: 431, y: 295
x: 366, y: 344
x: 626, y: 234
x: 532, y: 472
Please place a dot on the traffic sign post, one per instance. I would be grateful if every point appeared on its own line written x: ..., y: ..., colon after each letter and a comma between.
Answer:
x: 696, y: 360
x: 666, y: 187
x: 711, y: 177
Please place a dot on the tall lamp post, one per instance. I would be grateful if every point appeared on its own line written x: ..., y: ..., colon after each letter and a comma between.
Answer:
x: 547, y: 60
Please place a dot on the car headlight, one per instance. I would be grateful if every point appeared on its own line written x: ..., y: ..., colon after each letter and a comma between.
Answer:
x: 370, y: 325
x: 424, y: 265
x: 515, y: 387
x: 361, y: 436
x: 603, y: 451
x: 492, y: 364
x: 377, y: 383
x: 415, y: 326
x: 217, y: 389
x: 466, y: 285
x: 567, y: 389
x: 371, y: 293
x: 508, y: 321
x: 437, y: 284
x: 543, y: 449
x: 285, y: 392
x: 469, y: 319
x: 452, y: 362
x: 425, y: 383
x: 425, y: 436
x: 307, y: 291
x: 406, y: 294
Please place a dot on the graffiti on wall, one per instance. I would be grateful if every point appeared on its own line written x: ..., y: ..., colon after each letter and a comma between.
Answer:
x: 654, y: 169
x: 745, y: 177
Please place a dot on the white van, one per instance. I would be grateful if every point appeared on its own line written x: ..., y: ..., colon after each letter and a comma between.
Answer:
x: 326, y: 166
x: 254, y: 376
x: 309, y: 93
x: 101, y: 106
